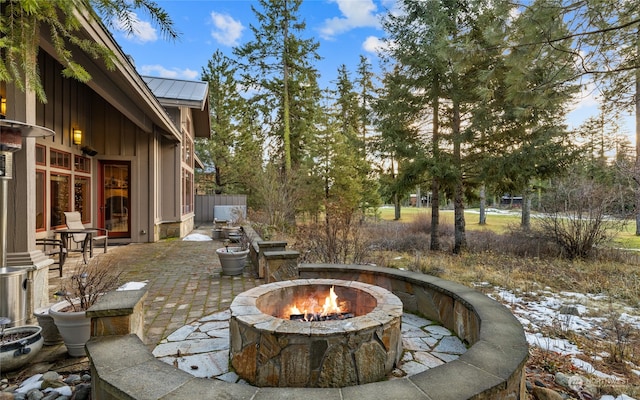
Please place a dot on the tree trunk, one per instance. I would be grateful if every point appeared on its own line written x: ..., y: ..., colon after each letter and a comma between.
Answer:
x: 525, y: 220
x: 637, y: 166
x: 435, y: 183
x: 285, y: 98
x: 435, y: 215
x: 483, y: 205
x: 458, y: 204
x: 458, y: 191
x: 396, y: 204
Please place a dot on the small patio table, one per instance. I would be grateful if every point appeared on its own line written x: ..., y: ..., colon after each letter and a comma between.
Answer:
x: 87, y: 242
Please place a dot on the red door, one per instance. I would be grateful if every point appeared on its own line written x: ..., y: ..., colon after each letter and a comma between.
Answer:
x: 114, y: 212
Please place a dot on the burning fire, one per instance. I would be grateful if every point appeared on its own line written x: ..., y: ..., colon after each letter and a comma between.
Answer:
x: 310, y: 309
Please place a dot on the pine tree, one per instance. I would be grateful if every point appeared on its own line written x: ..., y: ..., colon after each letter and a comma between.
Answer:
x: 277, y: 64
x: 365, y: 83
x: 21, y: 22
x: 524, y: 101
x: 235, y: 146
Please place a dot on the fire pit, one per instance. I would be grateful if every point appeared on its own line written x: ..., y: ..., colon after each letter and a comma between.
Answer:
x: 342, y: 333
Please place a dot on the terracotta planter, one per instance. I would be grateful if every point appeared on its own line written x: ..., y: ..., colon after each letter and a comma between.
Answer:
x: 17, y: 353
x: 232, y: 259
x: 74, y: 327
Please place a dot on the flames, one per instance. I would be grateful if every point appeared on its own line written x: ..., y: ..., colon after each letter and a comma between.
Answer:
x: 311, y: 309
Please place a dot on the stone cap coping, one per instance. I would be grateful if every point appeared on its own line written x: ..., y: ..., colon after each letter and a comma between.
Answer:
x: 284, y: 254
x: 245, y: 309
x: 271, y: 243
x: 116, y: 303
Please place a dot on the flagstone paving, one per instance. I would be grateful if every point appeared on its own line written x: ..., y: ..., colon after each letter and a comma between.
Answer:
x: 201, y: 348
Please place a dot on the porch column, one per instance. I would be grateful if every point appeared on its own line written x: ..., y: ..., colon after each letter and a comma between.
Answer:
x: 21, y: 206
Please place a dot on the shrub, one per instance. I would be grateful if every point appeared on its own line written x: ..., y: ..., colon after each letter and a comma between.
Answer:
x: 576, y: 216
x: 88, y: 283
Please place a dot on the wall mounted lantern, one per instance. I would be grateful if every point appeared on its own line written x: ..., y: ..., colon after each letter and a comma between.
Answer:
x: 3, y: 107
x: 77, y: 136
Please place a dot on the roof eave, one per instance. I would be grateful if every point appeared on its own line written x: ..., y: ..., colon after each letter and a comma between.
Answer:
x: 123, y: 88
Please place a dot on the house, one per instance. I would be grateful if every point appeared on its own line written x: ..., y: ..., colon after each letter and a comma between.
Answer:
x: 122, y: 154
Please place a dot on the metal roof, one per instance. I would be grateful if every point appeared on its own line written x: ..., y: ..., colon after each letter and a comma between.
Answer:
x: 181, y: 93
x: 177, y: 92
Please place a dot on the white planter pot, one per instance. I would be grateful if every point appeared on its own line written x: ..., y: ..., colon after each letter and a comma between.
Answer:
x: 17, y: 353
x: 232, y: 260
x: 50, y: 332
x: 74, y: 327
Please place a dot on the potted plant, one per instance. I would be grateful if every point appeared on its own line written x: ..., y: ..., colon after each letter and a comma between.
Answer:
x: 79, y: 293
x: 234, y: 258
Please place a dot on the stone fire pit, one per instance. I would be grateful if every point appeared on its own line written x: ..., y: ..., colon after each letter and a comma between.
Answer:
x: 268, y: 349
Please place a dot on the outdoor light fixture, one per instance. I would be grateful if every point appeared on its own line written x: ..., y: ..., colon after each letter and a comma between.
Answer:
x: 77, y: 136
x: 3, y: 107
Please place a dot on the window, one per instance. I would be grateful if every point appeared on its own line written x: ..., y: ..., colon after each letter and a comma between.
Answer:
x: 187, y: 192
x: 82, y: 164
x: 60, y: 159
x: 41, y: 214
x: 81, y: 197
x: 41, y: 155
x: 60, y: 198
x: 187, y: 149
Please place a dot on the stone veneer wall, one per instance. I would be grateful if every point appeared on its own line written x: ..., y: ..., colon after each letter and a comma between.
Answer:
x: 492, y: 368
x: 267, y: 350
x: 176, y: 229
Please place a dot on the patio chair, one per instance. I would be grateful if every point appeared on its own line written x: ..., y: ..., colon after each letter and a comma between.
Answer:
x: 74, y: 221
x: 55, y: 249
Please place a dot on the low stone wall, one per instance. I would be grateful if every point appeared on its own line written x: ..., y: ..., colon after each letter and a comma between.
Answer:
x: 492, y: 368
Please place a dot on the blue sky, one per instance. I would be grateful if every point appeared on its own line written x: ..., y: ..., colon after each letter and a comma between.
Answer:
x: 345, y: 30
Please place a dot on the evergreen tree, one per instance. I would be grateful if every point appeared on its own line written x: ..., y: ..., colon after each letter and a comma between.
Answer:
x: 496, y: 113
x: 418, y: 39
x: 278, y: 65
x: 216, y: 152
x: 606, y: 40
x: 398, y: 146
x: 234, y: 150
x: 364, y: 81
x: 434, y: 44
x: 21, y: 22
x: 524, y: 98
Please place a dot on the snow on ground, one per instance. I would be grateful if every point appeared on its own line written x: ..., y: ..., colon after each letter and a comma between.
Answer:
x: 197, y: 237
x: 584, y: 314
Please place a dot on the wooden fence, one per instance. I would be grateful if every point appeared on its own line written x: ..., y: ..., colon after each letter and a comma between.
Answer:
x: 206, y: 206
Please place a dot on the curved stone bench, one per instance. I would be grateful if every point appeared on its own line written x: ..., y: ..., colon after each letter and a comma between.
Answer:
x: 492, y: 368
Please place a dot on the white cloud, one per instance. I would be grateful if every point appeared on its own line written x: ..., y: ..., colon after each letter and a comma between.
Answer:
x: 373, y: 44
x: 142, y: 31
x: 356, y: 14
x: 175, y: 73
x: 227, y: 31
